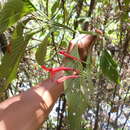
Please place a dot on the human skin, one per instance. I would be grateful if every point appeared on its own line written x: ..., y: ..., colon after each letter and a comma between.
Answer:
x: 28, y: 110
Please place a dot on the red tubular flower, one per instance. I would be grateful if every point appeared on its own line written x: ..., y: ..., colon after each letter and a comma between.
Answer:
x: 57, y: 69
x: 69, y: 56
x: 54, y: 70
x: 45, y: 68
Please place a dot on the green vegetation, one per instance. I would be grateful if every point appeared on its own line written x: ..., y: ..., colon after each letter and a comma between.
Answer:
x: 36, y: 30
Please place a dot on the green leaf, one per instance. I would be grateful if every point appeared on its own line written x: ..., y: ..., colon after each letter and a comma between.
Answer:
x: 13, y: 11
x: 64, y: 43
x: 127, y: 2
x: 55, y: 6
x: 111, y: 31
x: 76, y: 104
x: 109, y: 67
x: 125, y: 17
x: 75, y: 99
x: 41, y: 51
x: 10, y: 61
x: 66, y: 13
x: 88, y: 32
x: 62, y: 26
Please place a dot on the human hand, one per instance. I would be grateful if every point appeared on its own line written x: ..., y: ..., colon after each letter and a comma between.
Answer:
x: 85, y: 43
x: 57, y: 74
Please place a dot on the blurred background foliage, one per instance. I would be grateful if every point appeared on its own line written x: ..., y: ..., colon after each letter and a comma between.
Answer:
x: 33, y: 32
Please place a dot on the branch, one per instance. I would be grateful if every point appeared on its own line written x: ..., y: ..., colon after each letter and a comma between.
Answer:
x: 112, y: 103
x: 119, y: 4
x: 78, y: 11
x: 91, y: 7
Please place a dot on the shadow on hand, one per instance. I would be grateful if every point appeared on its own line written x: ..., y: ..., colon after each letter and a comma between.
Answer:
x: 13, y: 115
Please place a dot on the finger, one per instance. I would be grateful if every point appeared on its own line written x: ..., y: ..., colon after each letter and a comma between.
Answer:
x: 54, y: 70
x: 85, y: 45
x: 62, y: 79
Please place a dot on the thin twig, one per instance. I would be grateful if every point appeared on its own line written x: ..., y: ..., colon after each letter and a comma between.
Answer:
x: 97, y: 116
x: 119, y: 114
x: 61, y: 110
x: 58, y: 112
x: 109, y: 115
x: 119, y: 4
x: 125, y: 122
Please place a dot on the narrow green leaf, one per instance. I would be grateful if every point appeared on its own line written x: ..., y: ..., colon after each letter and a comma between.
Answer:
x: 111, y: 31
x: 55, y: 6
x: 13, y: 11
x: 41, y: 51
x: 109, y: 67
x: 76, y: 104
x: 62, y: 26
x: 66, y: 13
x: 10, y: 61
x: 75, y: 99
